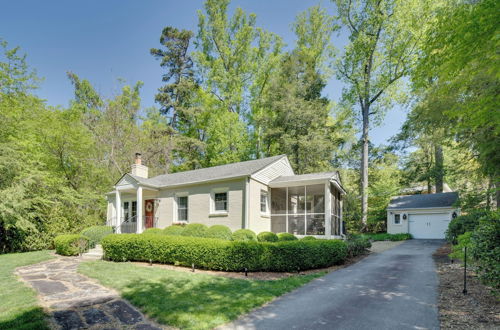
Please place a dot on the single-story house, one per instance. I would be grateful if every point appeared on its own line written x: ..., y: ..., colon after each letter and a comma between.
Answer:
x: 261, y: 195
x: 423, y: 216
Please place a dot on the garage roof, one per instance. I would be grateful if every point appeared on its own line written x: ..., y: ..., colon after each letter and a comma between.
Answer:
x: 423, y: 201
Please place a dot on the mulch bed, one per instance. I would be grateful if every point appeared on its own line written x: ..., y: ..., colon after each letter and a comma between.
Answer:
x: 478, y: 309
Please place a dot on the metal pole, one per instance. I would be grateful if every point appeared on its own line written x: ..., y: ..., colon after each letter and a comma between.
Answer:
x: 465, y: 270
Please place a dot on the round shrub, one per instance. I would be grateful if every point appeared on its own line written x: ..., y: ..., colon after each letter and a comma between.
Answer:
x: 357, y: 246
x: 195, y: 230
x: 308, y: 238
x: 286, y: 237
x: 153, y: 231
x: 267, y: 236
x: 96, y: 233
x: 71, y: 245
x: 173, y: 230
x: 244, y: 235
x: 220, y: 232
x: 464, y: 223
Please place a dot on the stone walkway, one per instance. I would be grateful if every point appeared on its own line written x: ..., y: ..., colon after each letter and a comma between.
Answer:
x: 75, y: 301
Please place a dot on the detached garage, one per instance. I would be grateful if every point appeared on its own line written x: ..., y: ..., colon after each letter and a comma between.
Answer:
x: 423, y: 216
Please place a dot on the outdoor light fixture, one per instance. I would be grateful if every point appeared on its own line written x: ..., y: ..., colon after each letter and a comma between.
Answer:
x: 454, y: 215
x: 404, y: 216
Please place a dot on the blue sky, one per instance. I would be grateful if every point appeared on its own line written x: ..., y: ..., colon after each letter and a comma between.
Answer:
x: 105, y: 40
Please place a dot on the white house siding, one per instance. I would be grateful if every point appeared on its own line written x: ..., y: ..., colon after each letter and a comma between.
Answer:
x: 257, y: 221
x: 279, y: 168
x: 199, y: 204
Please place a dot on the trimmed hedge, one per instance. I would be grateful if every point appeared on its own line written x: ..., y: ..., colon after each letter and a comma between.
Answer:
x: 220, y: 232
x: 71, y: 245
x: 244, y: 235
x: 195, y: 230
x: 308, y: 238
x: 96, y: 233
x: 286, y: 237
x: 384, y: 236
x: 267, y: 236
x: 173, y: 230
x: 156, y: 231
x: 357, y: 246
x: 224, y: 255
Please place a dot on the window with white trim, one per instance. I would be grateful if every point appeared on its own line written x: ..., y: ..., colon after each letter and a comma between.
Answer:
x: 182, y: 208
x: 397, y: 219
x: 264, y: 200
x: 220, y: 202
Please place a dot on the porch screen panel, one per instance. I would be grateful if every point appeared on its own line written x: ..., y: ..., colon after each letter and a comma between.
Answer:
x: 278, y: 223
x: 278, y: 201
x: 335, y: 196
x: 315, y: 209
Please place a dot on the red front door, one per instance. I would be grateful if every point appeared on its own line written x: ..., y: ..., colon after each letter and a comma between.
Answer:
x: 149, y: 211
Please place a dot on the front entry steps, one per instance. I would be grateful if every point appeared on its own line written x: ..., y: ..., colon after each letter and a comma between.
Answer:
x: 95, y: 253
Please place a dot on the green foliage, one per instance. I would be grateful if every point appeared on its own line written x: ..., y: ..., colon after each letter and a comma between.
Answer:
x: 220, y: 232
x: 195, y: 230
x: 286, y: 237
x: 464, y: 223
x: 225, y: 255
x: 463, y: 241
x: 71, y: 245
x: 244, y: 235
x: 384, y: 236
x: 96, y: 233
x: 173, y: 230
x: 267, y: 236
x: 485, y: 250
x: 153, y: 231
x: 308, y: 238
x: 357, y: 246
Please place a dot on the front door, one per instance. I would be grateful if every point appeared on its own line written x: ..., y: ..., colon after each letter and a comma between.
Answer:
x: 149, y: 212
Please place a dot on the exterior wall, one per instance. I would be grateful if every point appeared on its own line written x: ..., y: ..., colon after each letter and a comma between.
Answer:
x: 257, y: 221
x: 279, y: 168
x: 404, y: 226
x: 199, y: 204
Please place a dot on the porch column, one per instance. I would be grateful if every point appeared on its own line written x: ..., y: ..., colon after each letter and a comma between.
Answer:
x: 140, y: 216
x: 118, y: 214
x: 328, y: 212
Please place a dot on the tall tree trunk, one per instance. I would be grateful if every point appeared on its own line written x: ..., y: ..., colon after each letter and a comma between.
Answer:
x: 364, y: 167
x: 439, y: 167
x: 497, y: 193
x: 489, y: 189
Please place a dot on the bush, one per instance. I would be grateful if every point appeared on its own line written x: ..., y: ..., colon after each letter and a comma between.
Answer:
x: 195, y: 230
x: 156, y: 231
x: 224, y: 255
x: 464, y: 223
x: 173, y: 230
x: 71, y: 245
x: 384, y: 236
x: 308, y: 238
x: 286, y: 237
x: 96, y: 233
x: 357, y: 246
x: 244, y: 235
x: 458, y: 250
x: 267, y: 236
x: 485, y: 250
x: 220, y: 232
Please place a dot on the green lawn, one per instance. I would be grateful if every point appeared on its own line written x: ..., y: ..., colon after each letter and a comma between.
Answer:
x: 18, y: 304
x: 188, y: 300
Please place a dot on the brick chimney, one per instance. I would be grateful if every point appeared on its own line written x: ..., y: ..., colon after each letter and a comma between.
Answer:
x: 137, y: 168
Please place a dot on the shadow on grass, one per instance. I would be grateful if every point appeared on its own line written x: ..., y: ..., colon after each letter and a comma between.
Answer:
x: 33, y: 318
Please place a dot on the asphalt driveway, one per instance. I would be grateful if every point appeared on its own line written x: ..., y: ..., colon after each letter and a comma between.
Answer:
x: 394, y: 289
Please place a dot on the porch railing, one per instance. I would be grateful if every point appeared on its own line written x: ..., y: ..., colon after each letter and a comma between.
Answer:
x: 129, y: 225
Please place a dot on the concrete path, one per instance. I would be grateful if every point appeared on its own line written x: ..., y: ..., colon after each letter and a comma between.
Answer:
x: 75, y: 301
x: 394, y: 289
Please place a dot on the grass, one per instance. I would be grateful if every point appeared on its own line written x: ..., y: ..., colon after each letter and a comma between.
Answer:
x: 188, y: 300
x: 18, y: 303
x: 385, y: 236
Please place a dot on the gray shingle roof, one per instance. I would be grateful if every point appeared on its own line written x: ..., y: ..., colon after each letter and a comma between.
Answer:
x: 423, y: 201
x: 304, y: 177
x: 228, y: 171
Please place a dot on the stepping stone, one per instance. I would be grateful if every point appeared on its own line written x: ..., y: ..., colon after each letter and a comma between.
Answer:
x: 49, y: 287
x: 95, y: 316
x: 124, y: 312
x: 146, y: 327
x: 68, y: 320
x: 34, y: 277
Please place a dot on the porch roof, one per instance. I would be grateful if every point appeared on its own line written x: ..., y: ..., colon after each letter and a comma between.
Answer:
x: 307, y: 179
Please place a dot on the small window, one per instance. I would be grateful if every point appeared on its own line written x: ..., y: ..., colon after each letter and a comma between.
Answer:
x: 263, y: 201
x: 126, y: 211
x: 220, y: 202
x: 182, y: 208
x: 134, y: 211
x: 397, y: 219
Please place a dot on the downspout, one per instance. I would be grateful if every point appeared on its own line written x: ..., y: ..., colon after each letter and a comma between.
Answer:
x: 246, y: 203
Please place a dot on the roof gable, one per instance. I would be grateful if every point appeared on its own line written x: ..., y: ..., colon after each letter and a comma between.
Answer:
x: 424, y: 201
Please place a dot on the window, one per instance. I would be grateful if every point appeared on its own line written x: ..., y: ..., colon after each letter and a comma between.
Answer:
x: 397, y: 219
x: 263, y: 201
x: 182, y: 208
x: 220, y: 202
x: 134, y: 211
x: 126, y: 211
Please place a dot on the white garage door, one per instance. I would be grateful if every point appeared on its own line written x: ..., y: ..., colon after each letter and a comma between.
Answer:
x: 432, y: 225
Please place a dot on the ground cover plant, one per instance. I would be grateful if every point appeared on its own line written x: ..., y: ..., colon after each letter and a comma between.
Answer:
x: 188, y: 300
x: 18, y: 303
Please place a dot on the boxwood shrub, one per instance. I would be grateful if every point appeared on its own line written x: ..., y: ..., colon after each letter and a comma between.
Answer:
x: 220, y: 232
x: 195, y: 230
x: 153, y: 231
x: 308, y: 238
x: 225, y: 255
x: 244, y: 235
x: 267, y: 236
x: 286, y: 237
x: 357, y: 246
x: 71, y: 245
x: 173, y: 230
x: 96, y: 233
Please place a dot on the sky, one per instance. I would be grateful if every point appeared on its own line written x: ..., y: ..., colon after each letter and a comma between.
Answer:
x: 104, y: 41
